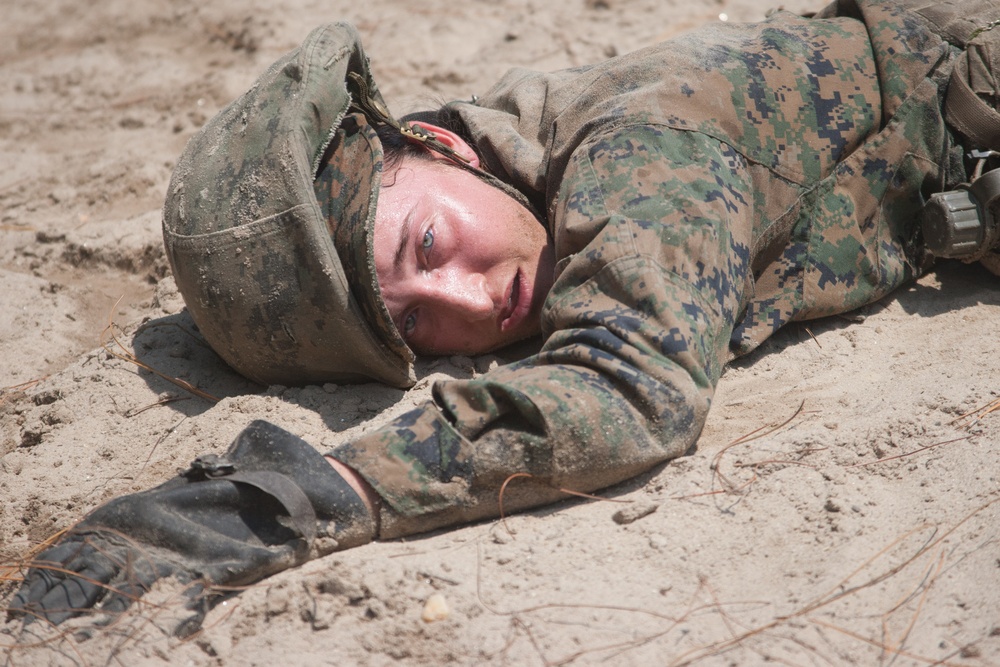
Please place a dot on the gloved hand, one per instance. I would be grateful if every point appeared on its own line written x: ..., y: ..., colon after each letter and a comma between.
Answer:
x: 271, y: 503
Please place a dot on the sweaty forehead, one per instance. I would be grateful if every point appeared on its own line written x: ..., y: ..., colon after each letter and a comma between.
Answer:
x: 394, y: 219
x: 404, y: 193
x: 393, y: 212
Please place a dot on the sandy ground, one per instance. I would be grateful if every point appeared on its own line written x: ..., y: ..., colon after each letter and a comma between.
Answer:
x: 859, y: 524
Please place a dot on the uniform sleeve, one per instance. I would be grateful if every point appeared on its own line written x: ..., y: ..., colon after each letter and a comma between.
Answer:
x: 654, y: 228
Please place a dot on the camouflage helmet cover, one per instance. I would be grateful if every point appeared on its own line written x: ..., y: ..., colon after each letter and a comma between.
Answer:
x: 281, y: 282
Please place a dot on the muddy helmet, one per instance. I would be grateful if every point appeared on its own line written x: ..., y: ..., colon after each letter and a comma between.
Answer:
x: 269, y: 218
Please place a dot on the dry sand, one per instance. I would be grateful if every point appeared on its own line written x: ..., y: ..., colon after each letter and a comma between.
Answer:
x: 863, y: 531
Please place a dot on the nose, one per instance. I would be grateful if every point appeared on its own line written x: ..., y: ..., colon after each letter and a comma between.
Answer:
x: 464, y: 293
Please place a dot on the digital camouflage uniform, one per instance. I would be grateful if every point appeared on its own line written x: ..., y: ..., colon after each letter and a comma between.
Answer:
x: 701, y: 194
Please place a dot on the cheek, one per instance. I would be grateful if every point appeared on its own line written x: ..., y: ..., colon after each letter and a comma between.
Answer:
x: 459, y: 338
x: 487, y: 235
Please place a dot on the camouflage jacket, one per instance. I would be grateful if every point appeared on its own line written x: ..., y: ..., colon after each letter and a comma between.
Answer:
x: 701, y: 194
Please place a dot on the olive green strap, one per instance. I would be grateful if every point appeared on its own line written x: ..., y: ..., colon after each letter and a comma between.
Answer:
x: 964, y: 109
x: 377, y: 114
x: 971, y: 25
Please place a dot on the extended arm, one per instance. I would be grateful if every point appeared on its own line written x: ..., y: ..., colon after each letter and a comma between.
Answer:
x: 654, y: 226
x: 639, y: 319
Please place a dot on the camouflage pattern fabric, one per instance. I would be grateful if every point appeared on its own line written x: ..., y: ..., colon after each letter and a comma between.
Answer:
x: 701, y: 194
x: 276, y: 269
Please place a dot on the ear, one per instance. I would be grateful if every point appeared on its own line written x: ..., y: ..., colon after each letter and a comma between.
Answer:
x: 452, y: 141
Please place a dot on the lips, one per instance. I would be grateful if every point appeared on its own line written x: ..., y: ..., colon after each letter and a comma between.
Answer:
x: 511, y: 315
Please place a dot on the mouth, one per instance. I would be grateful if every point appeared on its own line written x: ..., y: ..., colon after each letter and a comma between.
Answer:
x: 512, y: 313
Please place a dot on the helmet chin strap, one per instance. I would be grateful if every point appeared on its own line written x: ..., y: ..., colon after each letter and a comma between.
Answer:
x: 377, y: 114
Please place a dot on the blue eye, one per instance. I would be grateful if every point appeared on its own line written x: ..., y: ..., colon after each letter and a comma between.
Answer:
x: 428, y: 241
x: 409, y: 324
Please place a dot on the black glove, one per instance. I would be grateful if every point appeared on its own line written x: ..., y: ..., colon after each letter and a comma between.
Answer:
x: 265, y: 506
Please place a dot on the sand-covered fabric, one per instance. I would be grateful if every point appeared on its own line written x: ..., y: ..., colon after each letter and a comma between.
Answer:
x: 864, y: 530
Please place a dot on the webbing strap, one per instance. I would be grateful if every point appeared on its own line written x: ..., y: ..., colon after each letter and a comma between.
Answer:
x: 966, y: 111
x: 975, y: 26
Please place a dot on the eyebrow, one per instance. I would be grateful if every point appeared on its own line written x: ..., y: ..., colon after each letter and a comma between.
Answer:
x: 404, y: 239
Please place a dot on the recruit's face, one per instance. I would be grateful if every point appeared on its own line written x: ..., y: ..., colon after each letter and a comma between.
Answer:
x: 463, y: 267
